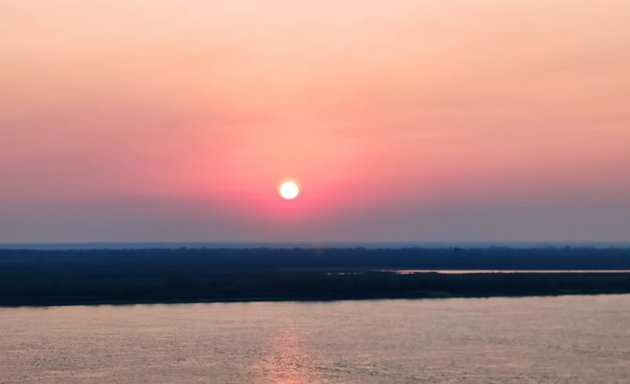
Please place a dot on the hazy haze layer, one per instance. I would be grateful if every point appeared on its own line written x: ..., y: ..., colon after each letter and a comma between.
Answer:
x: 403, y: 120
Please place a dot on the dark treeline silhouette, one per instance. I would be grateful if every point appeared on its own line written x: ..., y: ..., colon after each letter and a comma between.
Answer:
x: 333, y: 259
x: 38, y: 277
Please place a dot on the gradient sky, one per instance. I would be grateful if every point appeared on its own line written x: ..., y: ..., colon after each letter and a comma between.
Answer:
x: 433, y: 120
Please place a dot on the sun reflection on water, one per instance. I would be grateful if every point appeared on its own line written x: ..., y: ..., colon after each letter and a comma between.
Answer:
x: 288, y: 360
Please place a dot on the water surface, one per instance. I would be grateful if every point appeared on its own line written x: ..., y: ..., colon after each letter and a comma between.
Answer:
x: 572, y: 339
x: 486, y: 271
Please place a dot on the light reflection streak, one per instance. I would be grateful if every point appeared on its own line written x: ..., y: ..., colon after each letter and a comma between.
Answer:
x: 288, y: 360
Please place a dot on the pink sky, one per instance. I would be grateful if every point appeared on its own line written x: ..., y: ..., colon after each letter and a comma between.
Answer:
x: 434, y: 120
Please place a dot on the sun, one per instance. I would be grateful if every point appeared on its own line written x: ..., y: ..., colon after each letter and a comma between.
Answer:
x: 289, y: 190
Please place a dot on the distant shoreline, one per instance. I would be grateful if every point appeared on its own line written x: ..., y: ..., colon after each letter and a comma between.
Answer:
x: 311, y: 300
x: 94, y: 277
x: 388, y: 245
x: 63, y: 290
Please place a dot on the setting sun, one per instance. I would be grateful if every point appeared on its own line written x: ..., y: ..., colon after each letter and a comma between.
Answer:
x: 289, y: 190
x: 375, y: 177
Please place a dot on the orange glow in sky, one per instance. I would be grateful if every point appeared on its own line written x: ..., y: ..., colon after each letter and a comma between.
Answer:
x: 438, y: 120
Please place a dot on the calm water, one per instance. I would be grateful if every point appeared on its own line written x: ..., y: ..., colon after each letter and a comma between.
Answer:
x: 573, y: 339
x: 474, y: 271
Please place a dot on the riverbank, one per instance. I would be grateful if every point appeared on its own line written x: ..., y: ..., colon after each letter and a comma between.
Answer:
x: 62, y: 289
x: 69, y: 277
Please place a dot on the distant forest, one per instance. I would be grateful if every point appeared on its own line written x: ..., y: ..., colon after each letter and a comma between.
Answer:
x: 55, y: 277
x: 305, y: 259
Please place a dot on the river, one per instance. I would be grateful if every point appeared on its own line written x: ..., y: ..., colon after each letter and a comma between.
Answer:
x: 568, y: 339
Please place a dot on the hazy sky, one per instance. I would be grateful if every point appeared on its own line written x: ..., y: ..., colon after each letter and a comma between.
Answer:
x: 427, y: 120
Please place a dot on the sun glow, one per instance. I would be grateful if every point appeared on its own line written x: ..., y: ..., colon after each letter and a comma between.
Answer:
x: 289, y: 190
